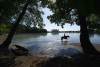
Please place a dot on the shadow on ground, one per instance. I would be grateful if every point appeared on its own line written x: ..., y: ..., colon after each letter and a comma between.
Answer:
x: 73, y: 62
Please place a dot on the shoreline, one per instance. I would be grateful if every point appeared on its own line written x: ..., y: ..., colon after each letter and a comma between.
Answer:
x: 97, y: 46
x: 38, y: 61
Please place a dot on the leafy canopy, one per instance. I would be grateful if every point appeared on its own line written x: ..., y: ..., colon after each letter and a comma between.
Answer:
x: 10, y: 10
x: 67, y: 11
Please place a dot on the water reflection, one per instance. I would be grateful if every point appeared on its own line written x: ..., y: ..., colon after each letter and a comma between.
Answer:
x: 55, y: 33
x: 93, y: 34
x: 98, y: 34
x: 52, y: 49
x: 50, y: 44
x: 65, y: 43
x: 27, y: 38
x: 43, y: 34
x: 68, y: 52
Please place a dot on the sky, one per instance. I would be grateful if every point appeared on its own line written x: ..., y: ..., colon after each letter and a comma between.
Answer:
x: 49, y: 26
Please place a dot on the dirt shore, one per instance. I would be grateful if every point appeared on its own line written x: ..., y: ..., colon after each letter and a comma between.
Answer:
x: 97, y: 46
x: 36, y: 61
x: 42, y: 61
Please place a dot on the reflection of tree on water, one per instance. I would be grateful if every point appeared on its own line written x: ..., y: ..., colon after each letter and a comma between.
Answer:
x: 92, y: 34
x: 43, y: 34
x: 98, y: 34
x: 65, y: 43
x: 20, y: 37
x: 54, y: 33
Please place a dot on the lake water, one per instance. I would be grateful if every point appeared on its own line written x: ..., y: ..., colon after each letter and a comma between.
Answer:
x: 50, y: 44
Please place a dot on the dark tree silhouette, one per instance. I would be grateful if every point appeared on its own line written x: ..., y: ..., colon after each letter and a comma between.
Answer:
x: 8, y: 40
x: 87, y: 46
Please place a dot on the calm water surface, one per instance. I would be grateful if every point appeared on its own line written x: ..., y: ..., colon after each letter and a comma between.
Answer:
x: 50, y: 44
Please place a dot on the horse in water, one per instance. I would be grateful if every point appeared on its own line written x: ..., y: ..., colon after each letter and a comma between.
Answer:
x: 64, y: 37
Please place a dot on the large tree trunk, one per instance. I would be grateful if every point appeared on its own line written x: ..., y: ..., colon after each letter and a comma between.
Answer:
x: 8, y: 40
x: 86, y: 45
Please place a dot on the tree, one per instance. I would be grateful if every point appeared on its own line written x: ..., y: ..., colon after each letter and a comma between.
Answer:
x: 8, y: 8
x: 7, y: 42
x: 36, y: 3
x: 70, y: 11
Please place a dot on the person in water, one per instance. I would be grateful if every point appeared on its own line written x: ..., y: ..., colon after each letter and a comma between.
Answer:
x: 64, y: 37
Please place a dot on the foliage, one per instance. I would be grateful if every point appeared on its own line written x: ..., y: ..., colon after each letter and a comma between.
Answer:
x: 93, y: 21
x: 33, y: 15
x: 4, y: 29
x: 55, y: 31
x: 10, y: 10
x: 27, y: 29
x: 67, y: 11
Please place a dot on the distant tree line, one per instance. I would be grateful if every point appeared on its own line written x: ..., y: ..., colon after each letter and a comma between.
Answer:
x: 5, y: 28
x: 28, y: 29
x: 55, y: 31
